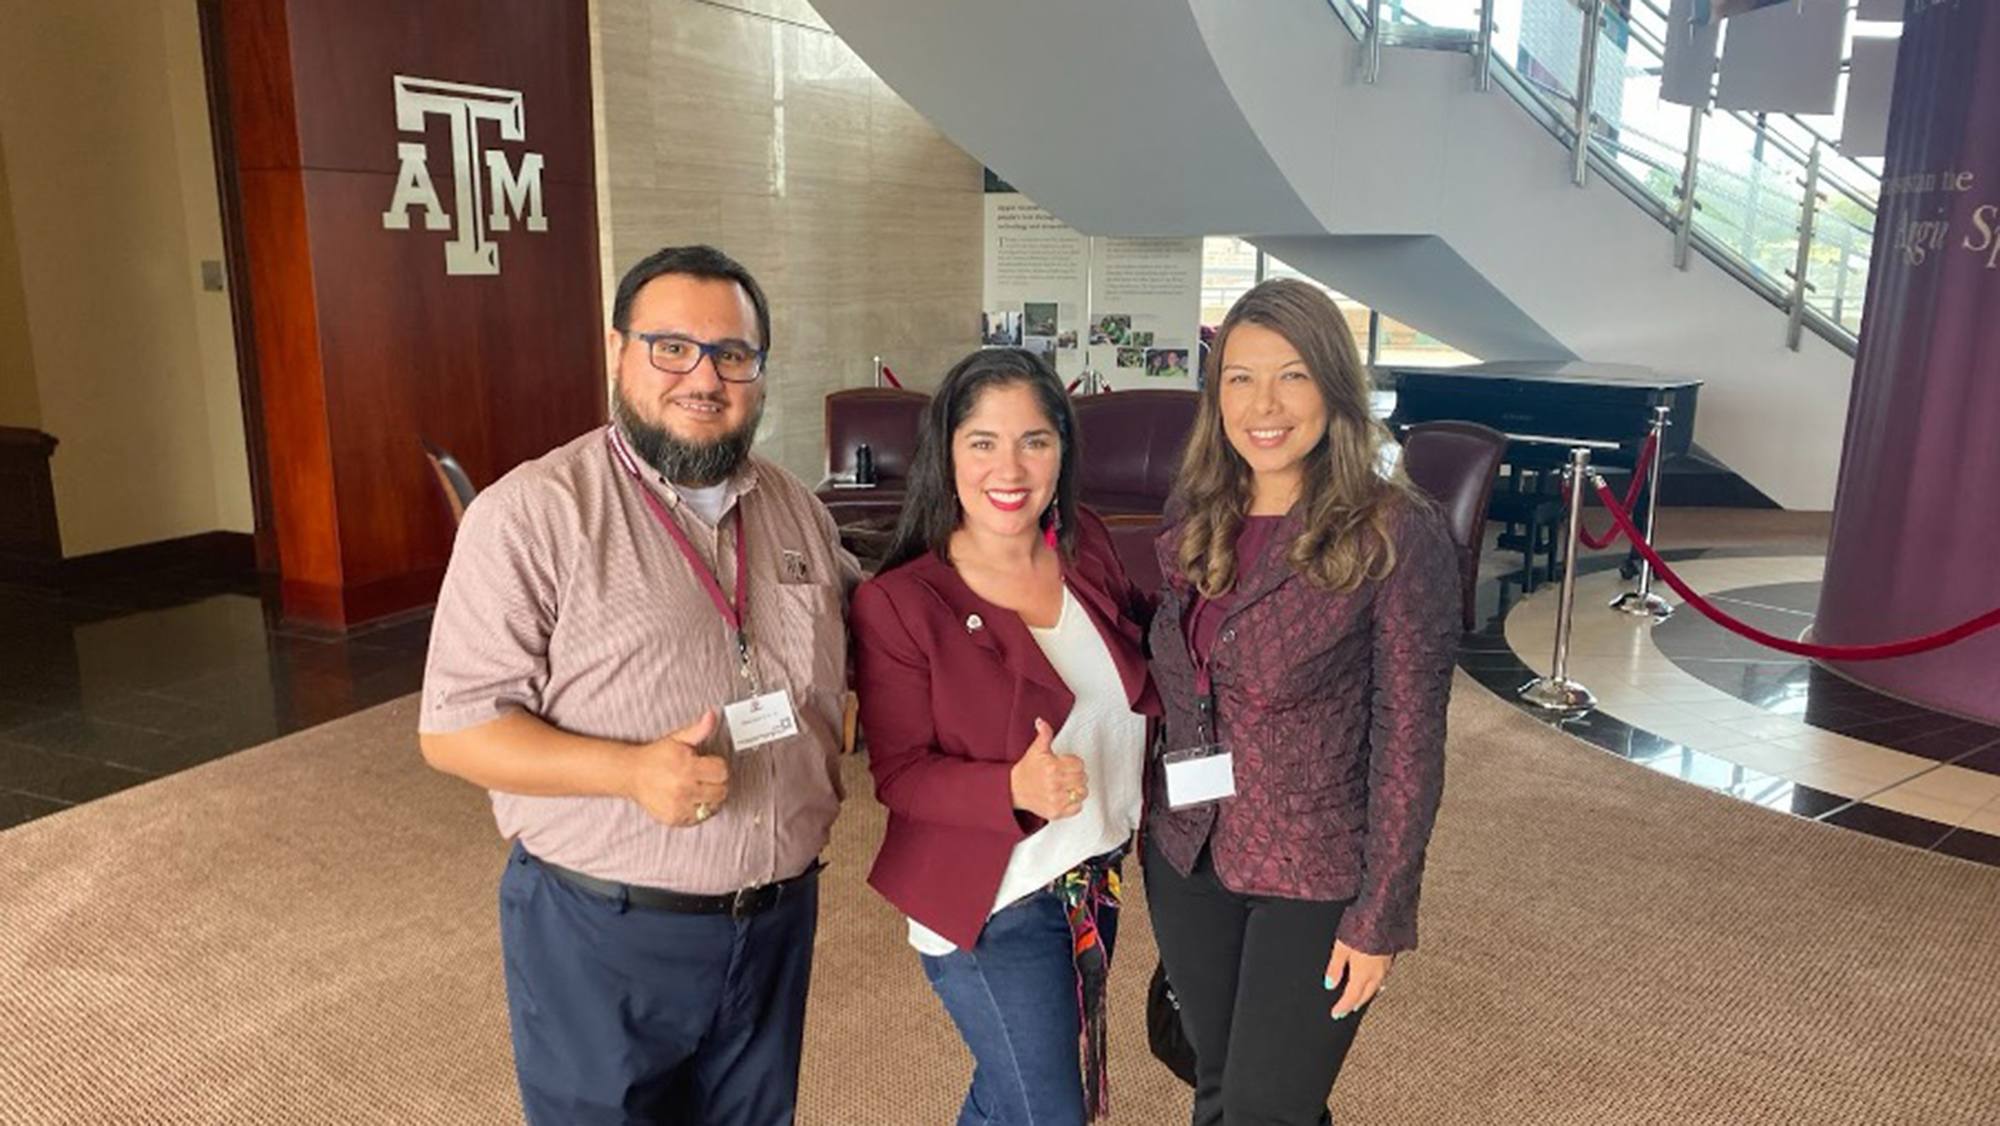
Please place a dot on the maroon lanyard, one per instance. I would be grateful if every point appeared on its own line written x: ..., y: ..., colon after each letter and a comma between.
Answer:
x: 732, y: 615
x: 1198, y: 655
x: 1204, y: 683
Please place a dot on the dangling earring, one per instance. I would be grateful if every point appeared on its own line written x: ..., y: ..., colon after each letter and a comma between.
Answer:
x: 1054, y: 525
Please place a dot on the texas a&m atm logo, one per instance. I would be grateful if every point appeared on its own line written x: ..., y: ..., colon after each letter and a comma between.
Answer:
x: 490, y: 193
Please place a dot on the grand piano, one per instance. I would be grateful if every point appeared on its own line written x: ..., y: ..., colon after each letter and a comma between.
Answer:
x: 1546, y: 409
x: 1549, y: 407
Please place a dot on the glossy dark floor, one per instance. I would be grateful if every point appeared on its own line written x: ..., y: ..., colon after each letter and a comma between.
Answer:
x: 109, y: 686
x: 1917, y: 758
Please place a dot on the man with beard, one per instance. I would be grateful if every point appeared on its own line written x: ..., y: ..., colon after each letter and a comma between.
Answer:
x: 639, y: 650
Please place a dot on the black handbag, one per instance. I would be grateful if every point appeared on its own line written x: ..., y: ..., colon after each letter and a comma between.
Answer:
x: 1164, y: 1031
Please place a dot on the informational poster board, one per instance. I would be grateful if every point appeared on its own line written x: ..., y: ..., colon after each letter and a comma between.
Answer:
x: 1127, y: 308
x: 1145, y: 311
x: 1037, y: 282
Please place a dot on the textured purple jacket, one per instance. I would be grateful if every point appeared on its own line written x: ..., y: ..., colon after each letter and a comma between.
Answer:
x: 1334, y: 707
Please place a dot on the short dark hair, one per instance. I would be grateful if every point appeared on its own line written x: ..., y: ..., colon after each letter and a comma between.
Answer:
x: 930, y: 504
x: 695, y: 261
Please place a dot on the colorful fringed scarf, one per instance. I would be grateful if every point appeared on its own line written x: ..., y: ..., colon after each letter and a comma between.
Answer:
x: 1088, y: 891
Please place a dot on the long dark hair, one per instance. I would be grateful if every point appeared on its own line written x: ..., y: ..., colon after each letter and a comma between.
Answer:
x: 1345, y: 498
x: 930, y: 507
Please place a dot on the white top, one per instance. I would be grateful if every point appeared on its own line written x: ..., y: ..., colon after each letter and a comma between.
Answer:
x: 1107, y: 735
x: 708, y: 503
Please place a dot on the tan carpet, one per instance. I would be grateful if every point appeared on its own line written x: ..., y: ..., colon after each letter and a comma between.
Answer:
x: 303, y: 933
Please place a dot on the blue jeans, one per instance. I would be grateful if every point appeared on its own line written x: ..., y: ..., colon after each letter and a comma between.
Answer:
x: 1013, y: 998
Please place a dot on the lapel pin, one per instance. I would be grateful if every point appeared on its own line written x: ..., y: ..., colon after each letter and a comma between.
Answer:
x: 974, y: 622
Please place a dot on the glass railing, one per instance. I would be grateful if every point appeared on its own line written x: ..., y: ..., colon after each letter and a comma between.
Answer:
x: 1749, y: 174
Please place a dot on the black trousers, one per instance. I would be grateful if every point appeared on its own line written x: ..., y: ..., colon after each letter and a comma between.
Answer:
x: 1250, y: 975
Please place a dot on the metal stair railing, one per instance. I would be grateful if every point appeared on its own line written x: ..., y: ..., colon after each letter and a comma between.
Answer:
x: 1766, y: 197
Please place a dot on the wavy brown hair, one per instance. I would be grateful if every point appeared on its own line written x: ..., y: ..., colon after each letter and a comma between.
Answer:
x: 1347, y: 500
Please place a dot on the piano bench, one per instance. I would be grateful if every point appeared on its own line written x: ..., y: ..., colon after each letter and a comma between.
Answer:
x: 1531, y: 523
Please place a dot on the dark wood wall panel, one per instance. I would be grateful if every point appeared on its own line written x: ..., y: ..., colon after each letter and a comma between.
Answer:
x: 258, y: 46
x: 291, y: 382
x: 539, y: 47
x: 496, y: 370
x: 368, y: 345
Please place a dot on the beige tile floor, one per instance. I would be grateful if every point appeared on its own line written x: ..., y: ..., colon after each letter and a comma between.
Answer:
x: 1761, y: 750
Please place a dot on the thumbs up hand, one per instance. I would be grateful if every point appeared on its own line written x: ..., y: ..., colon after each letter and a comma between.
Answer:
x: 674, y: 782
x: 1047, y: 784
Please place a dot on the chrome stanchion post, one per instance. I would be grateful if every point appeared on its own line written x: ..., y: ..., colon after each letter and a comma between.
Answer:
x: 1556, y: 691
x: 878, y: 371
x: 1643, y: 602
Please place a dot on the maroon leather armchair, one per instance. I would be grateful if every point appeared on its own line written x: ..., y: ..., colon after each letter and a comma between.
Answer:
x: 1454, y: 463
x: 1133, y: 536
x: 1132, y: 446
x: 887, y: 420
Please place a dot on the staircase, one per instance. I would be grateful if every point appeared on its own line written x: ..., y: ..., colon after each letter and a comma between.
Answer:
x: 1449, y: 208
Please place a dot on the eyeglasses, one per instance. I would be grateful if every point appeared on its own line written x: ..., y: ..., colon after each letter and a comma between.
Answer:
x: 734, y: 361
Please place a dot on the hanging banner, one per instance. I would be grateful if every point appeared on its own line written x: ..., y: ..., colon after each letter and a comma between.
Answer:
x: 1708, y: 13
x: 1783, y: 59
x: 1871, y: 79
x: 1126, y: 308
x: 1913, y: 539
x: 1687, y: 71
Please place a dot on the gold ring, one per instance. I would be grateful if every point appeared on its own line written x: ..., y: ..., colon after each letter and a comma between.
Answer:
x: 702, y: 812
x: 1075, y: 795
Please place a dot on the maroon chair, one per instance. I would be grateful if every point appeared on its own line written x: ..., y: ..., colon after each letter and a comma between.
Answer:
x: 1455, y: 463
x: 886, y: 420
x: 1132, y: 446
x: 1133, y: 536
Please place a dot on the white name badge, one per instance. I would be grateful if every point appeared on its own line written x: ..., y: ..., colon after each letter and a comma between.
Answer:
x: 761, y: 719
x: 1199, y: 775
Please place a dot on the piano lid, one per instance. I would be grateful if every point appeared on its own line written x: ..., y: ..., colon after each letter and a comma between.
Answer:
x: 1552, y: 371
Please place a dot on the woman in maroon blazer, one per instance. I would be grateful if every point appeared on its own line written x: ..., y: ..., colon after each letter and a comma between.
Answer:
x: 1304, y: 646
x: 1004, y: 696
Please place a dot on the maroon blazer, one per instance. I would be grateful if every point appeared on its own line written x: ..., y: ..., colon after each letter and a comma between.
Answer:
x: 1334, y: 707
x: 948, y: 707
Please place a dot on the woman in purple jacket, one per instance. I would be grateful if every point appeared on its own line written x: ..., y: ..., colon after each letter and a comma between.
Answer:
x: 1303, y: 646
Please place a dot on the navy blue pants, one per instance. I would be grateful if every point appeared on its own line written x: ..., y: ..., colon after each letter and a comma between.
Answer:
x: 626, y: 1015
x: 1013, y: 998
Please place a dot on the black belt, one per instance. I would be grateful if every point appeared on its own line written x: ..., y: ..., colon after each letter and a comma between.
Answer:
x: 737, y: 904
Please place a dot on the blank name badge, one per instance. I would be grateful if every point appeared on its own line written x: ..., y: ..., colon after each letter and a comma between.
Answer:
x: 761, y: 719
x: 1199, y: 775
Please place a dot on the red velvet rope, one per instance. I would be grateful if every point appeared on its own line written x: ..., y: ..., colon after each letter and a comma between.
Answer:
x: 1599, y: 543
x: 1879, y: 652
x: 891, y: 377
